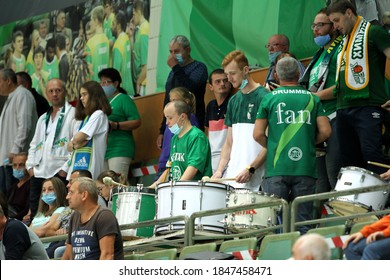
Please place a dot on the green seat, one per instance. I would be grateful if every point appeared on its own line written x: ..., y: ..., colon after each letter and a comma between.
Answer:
x: 133, y: 256
x: 168, y: 254
x: 209, y: 247
x: 358, y: 226
x: 277, y: 246
x: 237, y: 245
x: 332, y: 231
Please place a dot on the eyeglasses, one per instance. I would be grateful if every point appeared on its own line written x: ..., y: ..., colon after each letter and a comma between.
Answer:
x: 106, y: 83
x: 319, y: 25
x: 273, y: 45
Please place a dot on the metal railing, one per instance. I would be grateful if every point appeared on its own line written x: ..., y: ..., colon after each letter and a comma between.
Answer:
x: 333, y: 195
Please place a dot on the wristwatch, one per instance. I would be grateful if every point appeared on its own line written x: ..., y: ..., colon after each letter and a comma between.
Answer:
x: 251, y: 169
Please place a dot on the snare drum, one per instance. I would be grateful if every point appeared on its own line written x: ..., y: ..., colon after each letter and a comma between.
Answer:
x: 253, y: 218
x: 186, y: 197
x: 133, y: 205
x: 355, y: 177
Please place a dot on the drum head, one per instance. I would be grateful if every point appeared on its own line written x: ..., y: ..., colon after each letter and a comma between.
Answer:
x: 346, y: 208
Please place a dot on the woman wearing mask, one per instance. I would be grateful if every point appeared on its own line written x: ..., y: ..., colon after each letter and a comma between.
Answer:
x: 88, y: 146
x: 123, y: 120
x: 51, y: 203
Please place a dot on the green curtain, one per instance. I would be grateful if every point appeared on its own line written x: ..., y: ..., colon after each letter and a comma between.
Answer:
x: 216, y: 27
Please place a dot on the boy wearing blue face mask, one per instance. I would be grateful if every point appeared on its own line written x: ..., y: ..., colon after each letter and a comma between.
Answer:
x: 190, y: 154
x: 18, y: 196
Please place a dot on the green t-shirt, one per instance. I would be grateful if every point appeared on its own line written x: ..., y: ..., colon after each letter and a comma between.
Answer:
x: 242, y: 108
x: 378, y: 41
x: 192, y: 149
x: 107, y: 23
x: 51, y: 68
x: 20, y: 63
x: 98, y: 54
x: 292, y: 121
x: 141, y: 47
x: 121, y: 61
x: 35, y: 81
x: 329, y: 105
x: 120, y: 142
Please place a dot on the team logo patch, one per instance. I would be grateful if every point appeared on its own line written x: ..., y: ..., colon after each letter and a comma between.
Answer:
x: 295, y: 153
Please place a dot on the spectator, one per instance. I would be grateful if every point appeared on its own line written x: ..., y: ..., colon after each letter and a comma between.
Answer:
x: 359, y: 95
x: 245, y: 163
x: 48, y: 154
x: 25, y: 81
x: 18, y: 241
x: 88, y: 146
x: 60, y: 27
x: 43, y: 33
x: 186, y: 72
x: 50, y: 62
x: 370, y: 243
x: 311, y: 246
x: 63, y: 57
x: 295, y: 121
x: 215, y: 114
x: 17, y: 124
x: 18, y: 60
x: 386, y: 21
x: 52, y: 202
x: 123, y: 120
x: 100, y: 237
x: 30, y: 67
x: 105, y: 191
x: 18, y: 197
x: 39, y: 77
x: 108, y: 20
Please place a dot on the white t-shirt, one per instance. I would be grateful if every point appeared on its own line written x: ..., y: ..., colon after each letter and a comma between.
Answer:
x: 96, y: 128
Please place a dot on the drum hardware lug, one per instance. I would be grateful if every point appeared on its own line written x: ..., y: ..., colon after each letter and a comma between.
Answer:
x: 362, y: 178
x: 199, y: 227
x: 235, y: 199
x: 251, y: 218
x: 233, y: 217
x: 137, y: 203
x: 184, y: 205
x: 269, y: 222
x: 253, y: 199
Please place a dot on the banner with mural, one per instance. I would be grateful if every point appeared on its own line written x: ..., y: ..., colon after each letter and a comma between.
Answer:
x: 75, y: 43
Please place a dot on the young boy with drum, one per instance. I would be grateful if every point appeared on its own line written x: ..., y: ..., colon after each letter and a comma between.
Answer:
x: 190, y: 154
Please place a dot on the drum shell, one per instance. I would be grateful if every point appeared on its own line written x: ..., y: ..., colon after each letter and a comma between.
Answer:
x: 131, y: 205
x: 356, y: 177
x: 253, y: 218
x: 186, y: 197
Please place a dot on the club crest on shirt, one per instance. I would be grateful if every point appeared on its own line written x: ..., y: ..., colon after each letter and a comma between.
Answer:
x: 295, y: 153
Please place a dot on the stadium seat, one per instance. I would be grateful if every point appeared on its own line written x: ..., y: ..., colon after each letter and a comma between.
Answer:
x: 168, y: 254
x: 332, y: 231
x: 237, y: 245
x: 277, y: 246
x: 210, y: 247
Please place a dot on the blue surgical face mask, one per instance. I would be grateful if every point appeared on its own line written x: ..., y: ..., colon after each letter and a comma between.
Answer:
x: 273, y: 56
x: 243, y: 83
x: 179, y: 58
x: 175, y: 129
x: 18, y: 173
x: 322, y: 40
x: 49, y: 198
x: 109, y: 90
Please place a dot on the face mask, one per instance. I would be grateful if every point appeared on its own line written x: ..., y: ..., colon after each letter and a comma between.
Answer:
x: 18, y: 173
x: 273, y: 56
x: 175, y: 129
x: 322, y: 40
x: 49, y: 198
x: 109, y: 90
x: 243, y: 83
x: 179, y: 58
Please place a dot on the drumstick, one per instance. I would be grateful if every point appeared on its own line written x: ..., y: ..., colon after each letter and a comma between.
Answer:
x: 379, y: 164
x: 208, y: 179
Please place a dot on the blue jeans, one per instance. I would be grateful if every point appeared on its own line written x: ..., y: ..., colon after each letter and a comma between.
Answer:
x: 290, y: 187
x: 377, y: 250
x: 359, y: 131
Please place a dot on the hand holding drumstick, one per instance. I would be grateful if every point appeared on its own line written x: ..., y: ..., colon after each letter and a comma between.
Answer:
x: 385, y: 175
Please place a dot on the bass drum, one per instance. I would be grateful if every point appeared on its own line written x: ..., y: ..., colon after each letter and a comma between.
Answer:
x: 186, y: 197
x: 133, y: 205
